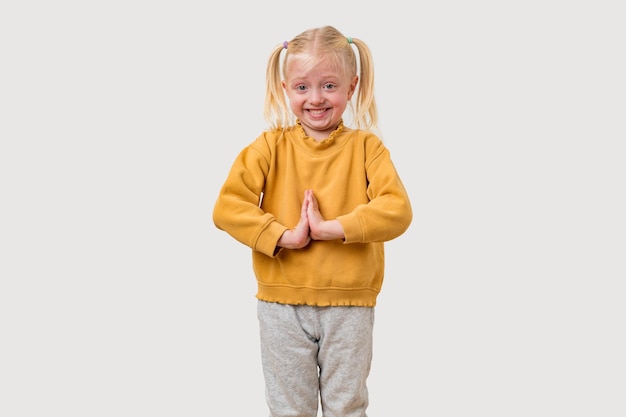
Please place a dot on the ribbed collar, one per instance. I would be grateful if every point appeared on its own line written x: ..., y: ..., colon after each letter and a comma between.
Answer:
x: 311, y: 144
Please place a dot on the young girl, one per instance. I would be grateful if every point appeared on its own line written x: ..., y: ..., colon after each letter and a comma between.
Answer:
x: 315, y: 200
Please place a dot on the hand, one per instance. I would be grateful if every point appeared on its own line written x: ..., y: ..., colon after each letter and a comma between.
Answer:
x: 321, y: 229
x: 298, y: 237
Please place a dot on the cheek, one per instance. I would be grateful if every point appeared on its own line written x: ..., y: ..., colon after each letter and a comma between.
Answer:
x: 341, y: 101
x: 295, y: 100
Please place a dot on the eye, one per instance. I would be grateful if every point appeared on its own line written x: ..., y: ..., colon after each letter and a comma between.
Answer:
x: 300, y: 87
x: 329, y: 86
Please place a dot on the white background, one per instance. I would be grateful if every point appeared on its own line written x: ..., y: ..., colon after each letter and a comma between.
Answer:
x: 119, y: 121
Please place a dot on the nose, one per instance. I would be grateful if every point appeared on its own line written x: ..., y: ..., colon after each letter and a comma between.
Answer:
x: 316, y: 95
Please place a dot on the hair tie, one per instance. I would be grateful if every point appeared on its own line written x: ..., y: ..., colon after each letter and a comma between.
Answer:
x: 285, y: 44
x: 349, y: 40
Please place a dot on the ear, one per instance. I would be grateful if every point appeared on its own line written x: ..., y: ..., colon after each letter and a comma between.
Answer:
x: 353, y: 84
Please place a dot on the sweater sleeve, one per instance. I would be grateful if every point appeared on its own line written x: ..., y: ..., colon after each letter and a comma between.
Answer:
x: 388, y: 213
x: 236, y: 210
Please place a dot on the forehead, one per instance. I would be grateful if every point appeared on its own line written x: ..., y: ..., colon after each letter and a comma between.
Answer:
x: 302, y: 65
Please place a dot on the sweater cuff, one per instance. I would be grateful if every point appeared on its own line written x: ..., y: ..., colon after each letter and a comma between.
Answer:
x: 352, y: 230
x: 266, y: 244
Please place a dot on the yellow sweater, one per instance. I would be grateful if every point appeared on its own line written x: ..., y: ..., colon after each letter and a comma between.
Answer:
x: 354, y: 181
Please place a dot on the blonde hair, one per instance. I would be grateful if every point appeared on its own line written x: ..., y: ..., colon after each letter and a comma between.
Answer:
x: 323, y: 42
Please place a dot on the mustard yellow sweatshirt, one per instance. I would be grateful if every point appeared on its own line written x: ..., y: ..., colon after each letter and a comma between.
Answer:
x: 354, y: 181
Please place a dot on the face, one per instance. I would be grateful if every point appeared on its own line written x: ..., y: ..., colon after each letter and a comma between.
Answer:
x: 318, y: 94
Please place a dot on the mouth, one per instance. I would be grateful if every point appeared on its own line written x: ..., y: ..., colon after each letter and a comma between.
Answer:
x: 317, y: 112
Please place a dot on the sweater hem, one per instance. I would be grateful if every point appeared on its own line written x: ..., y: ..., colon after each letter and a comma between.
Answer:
x: 320, y: 297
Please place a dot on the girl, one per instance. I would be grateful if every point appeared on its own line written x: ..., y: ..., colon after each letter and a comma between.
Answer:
x: 315, y: 200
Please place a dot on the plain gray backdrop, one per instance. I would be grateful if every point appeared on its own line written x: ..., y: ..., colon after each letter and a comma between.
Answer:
x: 119, y: 121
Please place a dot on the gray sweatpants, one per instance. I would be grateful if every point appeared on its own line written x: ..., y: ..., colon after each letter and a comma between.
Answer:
x: 314, y: 355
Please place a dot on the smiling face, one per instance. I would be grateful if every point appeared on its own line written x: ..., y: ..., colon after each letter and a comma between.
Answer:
x: 318, y: 92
